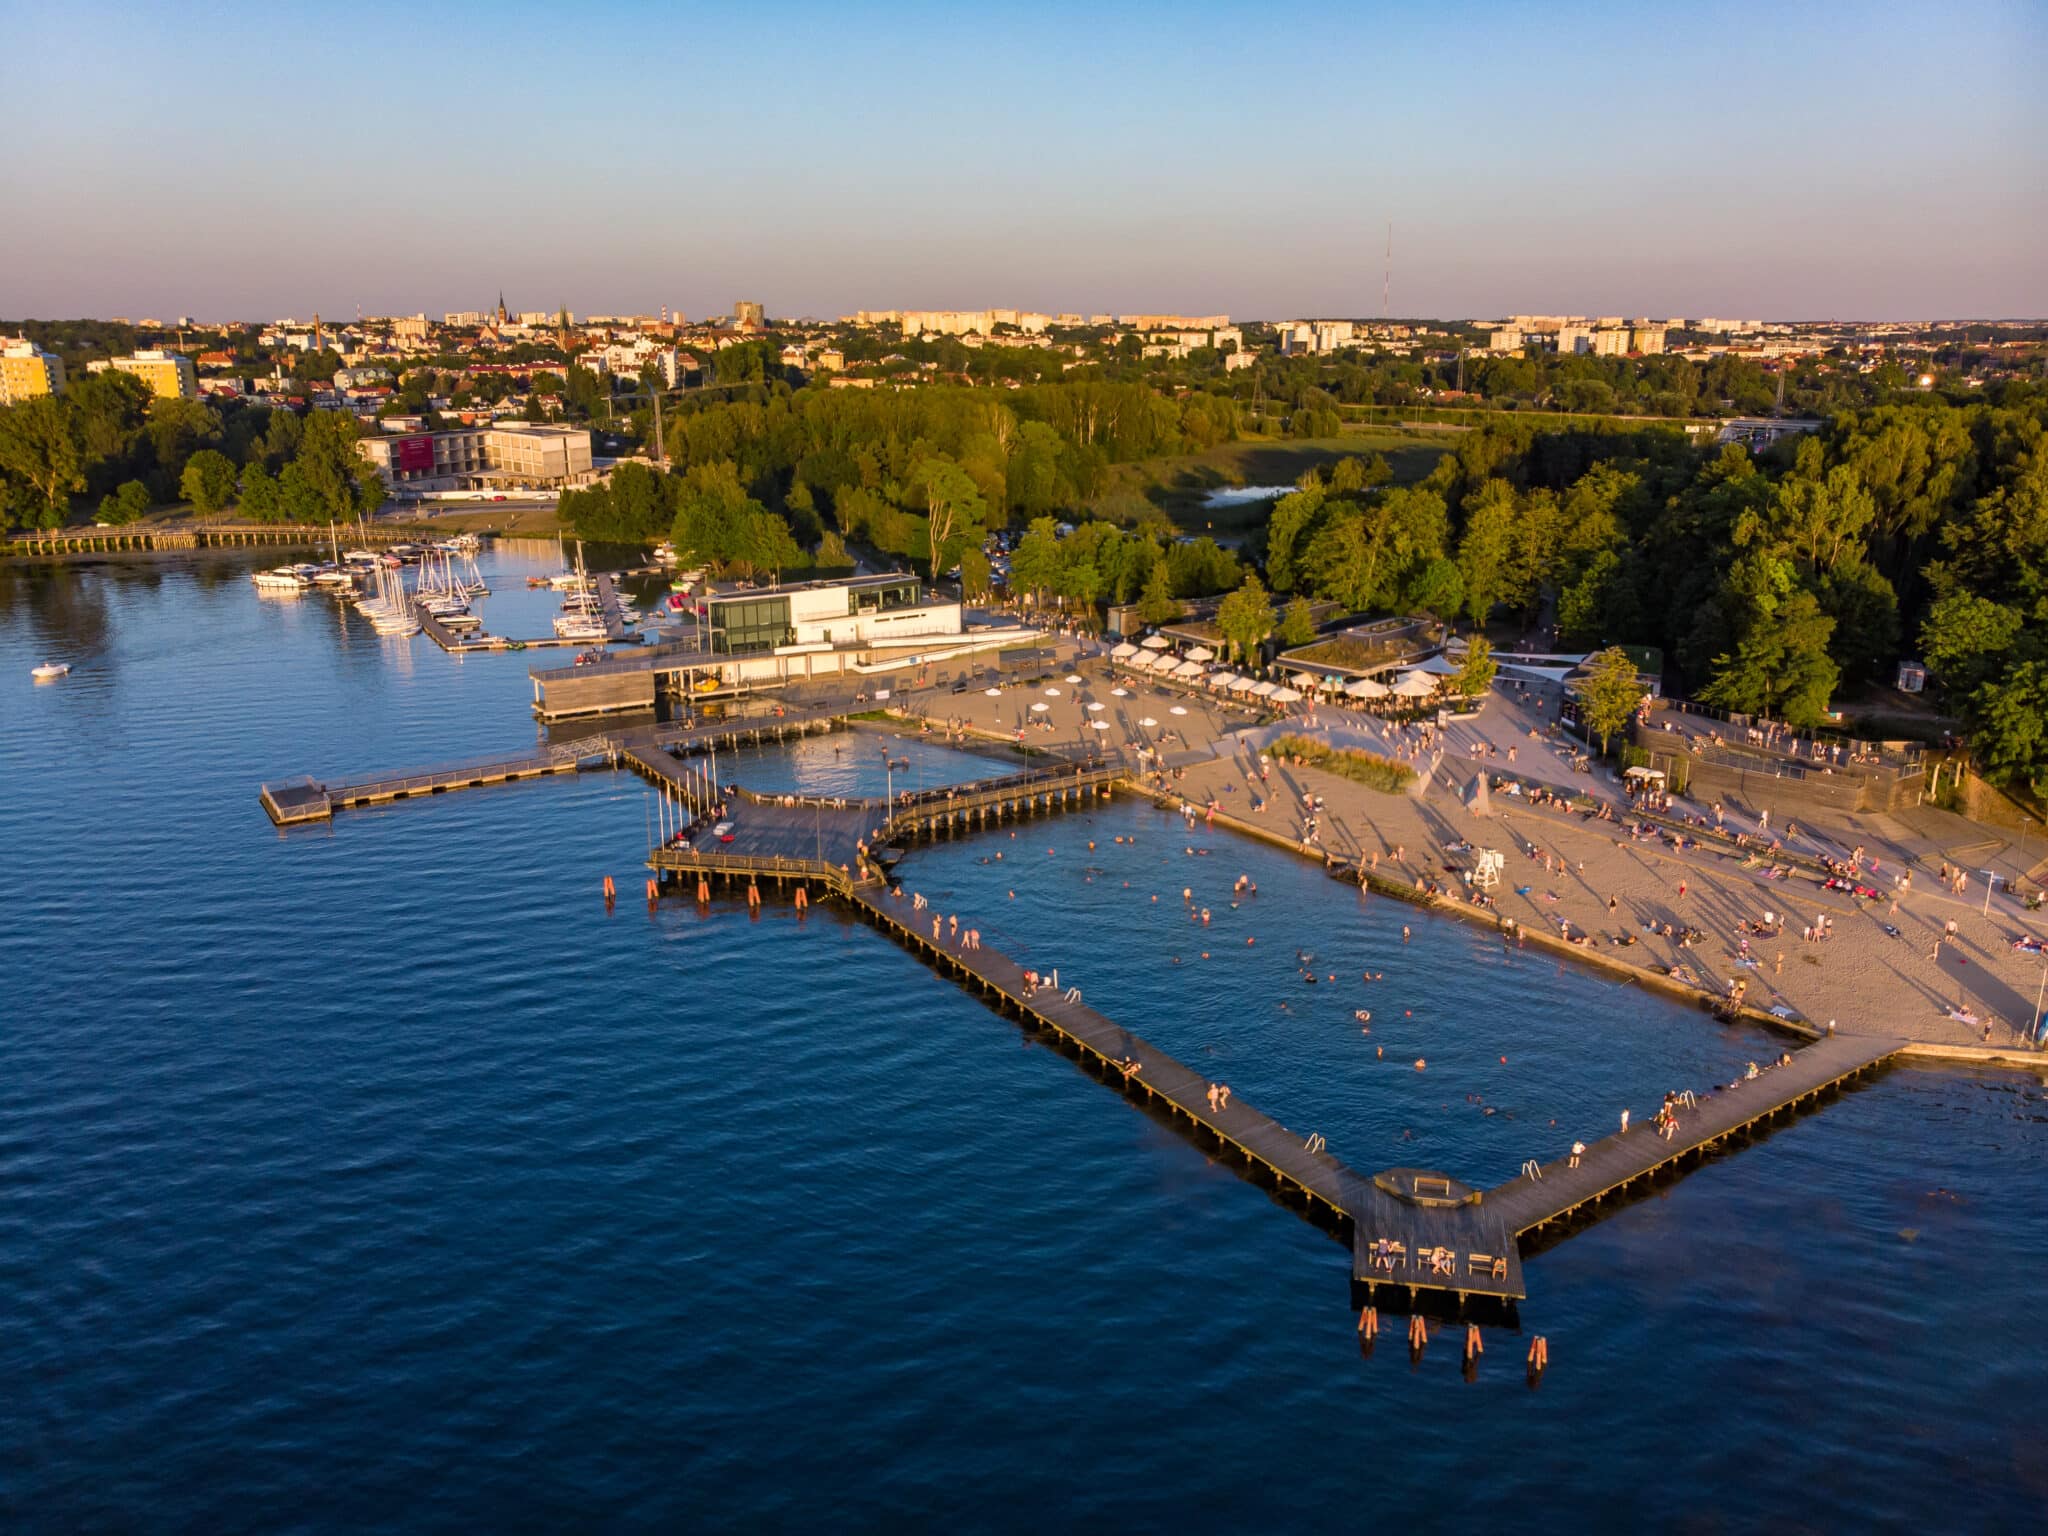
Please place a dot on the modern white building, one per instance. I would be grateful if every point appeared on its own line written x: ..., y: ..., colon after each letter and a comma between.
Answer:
x: 770, y: 637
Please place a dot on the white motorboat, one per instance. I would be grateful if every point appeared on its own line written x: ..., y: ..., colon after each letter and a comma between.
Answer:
x: 283, y: 578
x: 460, y: 621
x: 578, y: 626
x: 49, y: 670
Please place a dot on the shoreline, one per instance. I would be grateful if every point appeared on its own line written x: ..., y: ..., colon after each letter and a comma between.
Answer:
x: 1920, y: 1053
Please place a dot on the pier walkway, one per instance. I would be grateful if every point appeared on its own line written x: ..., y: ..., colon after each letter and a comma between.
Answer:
x: 294, y: 802
x: 838, y: 842
x: 1310, y: 1178
x: 1610, y: 1166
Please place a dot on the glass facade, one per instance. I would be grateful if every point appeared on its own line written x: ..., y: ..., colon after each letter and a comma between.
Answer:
x: 751, y: 624
x: 883, y: 598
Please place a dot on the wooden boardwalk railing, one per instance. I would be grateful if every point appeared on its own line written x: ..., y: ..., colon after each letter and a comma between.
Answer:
x: 1609, y: 1166
x: 1315, y: 1179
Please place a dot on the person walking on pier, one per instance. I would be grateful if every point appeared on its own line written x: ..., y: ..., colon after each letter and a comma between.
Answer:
x: 1578, y: 1151
x: 1624, y: 1122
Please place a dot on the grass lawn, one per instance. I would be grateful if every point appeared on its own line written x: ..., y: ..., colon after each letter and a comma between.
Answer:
x: 1180, y: 485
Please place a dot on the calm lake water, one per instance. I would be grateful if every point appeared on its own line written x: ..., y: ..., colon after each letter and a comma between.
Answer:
x: 375, y: 1177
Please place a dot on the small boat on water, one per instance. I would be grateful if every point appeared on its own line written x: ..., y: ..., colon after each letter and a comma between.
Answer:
x: 49, y: 670
x: 283, y: 578
x: 465, y: 620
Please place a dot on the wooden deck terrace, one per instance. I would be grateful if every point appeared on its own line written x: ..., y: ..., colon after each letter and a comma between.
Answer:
x: 1610, y: 1167
x: 1312, y: 1180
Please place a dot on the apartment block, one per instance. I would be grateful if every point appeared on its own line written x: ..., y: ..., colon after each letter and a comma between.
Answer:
x: 27, y: 371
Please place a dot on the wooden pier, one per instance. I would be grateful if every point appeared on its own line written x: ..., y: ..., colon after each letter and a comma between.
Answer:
x: 1296, y: 1167
x: 1611, y: 1167
x: 1417, y: 1235
x: 839, y: 842
x: 139, y: 537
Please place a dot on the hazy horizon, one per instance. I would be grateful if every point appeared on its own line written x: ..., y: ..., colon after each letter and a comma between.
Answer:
x: 228, y: 161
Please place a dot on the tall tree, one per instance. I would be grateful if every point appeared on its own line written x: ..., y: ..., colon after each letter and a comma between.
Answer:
x: 208, y: 481
x: 1157, y: 605
x: 331, y: 466
x: 36, y: 446
x: 1246, y: 619
x: 1610, y: 694
x: 1486, y: 552
x: 954, y: 508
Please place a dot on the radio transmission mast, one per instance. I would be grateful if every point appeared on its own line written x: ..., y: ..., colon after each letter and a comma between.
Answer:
x: 1387, y: 277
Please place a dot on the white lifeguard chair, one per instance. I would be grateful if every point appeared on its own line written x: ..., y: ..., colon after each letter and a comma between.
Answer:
x: 1486, y: 873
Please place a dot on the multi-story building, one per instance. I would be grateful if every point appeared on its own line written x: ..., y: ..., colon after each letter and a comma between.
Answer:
x: 1168, y: 322
x: 1504, y: 338
x: 506, y: 454
x: 1647, y: 338
x: 26, y: 371
x: 861, y: 610
x: 1610, y: 341
x: 629, y: 360
x: 169, y: 375
x: 748, y: 313
x: 1308, y: 335
x: 1574, y: 338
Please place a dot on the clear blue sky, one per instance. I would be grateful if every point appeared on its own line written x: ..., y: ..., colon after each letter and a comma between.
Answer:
x: 1782, y: 160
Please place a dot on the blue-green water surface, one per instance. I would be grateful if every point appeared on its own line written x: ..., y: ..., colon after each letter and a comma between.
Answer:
x: 378, y: 1177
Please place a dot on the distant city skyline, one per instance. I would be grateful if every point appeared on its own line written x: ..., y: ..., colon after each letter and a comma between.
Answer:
x: 1834, y: 162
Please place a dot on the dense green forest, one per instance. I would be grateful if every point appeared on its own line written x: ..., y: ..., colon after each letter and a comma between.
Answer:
x: 1770, y: 582
x: 106, y: 437
x: 918, y: 473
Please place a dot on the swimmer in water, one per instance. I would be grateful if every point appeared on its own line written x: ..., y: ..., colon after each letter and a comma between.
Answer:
x: 1363, y: 1015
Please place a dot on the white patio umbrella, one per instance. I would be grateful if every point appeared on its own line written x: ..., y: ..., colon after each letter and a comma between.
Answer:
x: 1366, y: 688
x: 1307, y: 680
x: 994, y: 693
x: 1201, y: 653
x: 1039, y: 709
x: 1415, y: 685
x: 1121, y: 693
x: 1284, y: 696
x: 1096, y: 708
x: 1052, y: 693
x: 1244, y: 685
x: 1148, y: 722
x: 1100, y: 725
x: 1124, y: 651
x: 1176, y: 710
x: 1189, y: 670
x: 1263, y: 690
x: 1073, y: 677
x: 1154, y: 642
